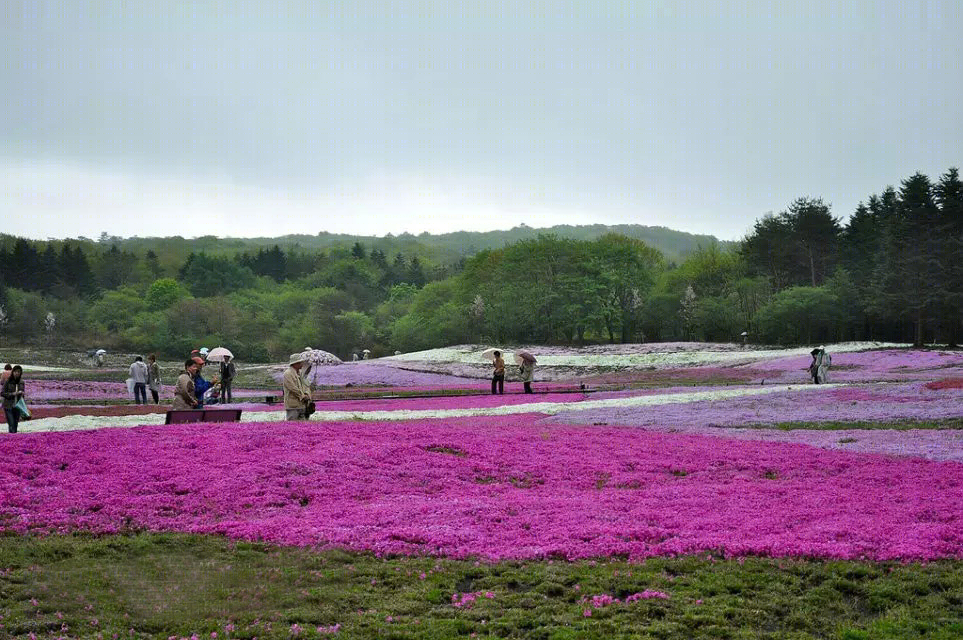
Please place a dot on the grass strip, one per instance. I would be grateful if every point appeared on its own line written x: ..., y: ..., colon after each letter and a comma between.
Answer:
x: 867, y: 425
x: 163, y: 585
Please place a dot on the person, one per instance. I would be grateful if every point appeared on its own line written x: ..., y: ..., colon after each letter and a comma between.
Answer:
x: 498, y: 375
x: 200, y: 384
x: 528, y: 374
x: 185, y: 396
x: 100, y: 358
x: 153, y: 377
x: 297, y: 393
x: 12, y: 392
x: 819, y: 367
x: 228, y: 371
x: 139, y: 373
x: 7, y: 368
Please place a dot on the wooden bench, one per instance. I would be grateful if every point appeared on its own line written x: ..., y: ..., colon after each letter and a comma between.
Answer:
x: 203, y: 415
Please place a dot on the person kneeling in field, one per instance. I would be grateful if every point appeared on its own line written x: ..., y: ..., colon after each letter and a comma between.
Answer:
x: 184, y: 398
x: 297, y: 392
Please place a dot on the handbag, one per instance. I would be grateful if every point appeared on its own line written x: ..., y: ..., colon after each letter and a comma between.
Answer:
x: 308, y: 410
x: 22, y: 406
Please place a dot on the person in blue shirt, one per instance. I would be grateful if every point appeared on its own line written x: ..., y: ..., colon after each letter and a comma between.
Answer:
x: 200, y: 384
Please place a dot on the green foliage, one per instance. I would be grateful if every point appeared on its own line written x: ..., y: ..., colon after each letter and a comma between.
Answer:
x: 895, y: 271
x: 163, y: 293
x: 207, y: 276
x: 159, y: 585
x: 799, y: 315
x: 115, y: 310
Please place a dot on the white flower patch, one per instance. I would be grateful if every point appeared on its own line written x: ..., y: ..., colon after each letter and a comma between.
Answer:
x: 79, y: 422
x: 590, y: 358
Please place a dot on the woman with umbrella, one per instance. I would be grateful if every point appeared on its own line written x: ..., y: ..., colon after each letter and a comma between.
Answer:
x: 527, y: 368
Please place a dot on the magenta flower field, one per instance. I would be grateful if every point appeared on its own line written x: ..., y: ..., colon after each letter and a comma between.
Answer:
x: 488, y: 487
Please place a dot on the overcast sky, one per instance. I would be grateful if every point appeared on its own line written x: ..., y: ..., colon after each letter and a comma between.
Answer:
x: 227, y: 118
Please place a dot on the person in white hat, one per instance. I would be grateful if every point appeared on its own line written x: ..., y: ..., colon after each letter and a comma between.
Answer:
x: 297, y: 393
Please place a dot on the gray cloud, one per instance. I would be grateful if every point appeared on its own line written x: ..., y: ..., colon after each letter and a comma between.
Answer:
x: 699, y: 116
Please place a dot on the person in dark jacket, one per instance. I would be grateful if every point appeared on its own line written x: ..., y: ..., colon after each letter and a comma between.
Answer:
x: 228, y: 371
x: 12, y: 392
x: 153, y: 377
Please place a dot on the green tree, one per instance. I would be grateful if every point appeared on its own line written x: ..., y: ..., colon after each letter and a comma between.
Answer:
x: 625, y: 270
x: 208, y: 276
x: 163, y: 293
x: 799, y: 315
x: 115, y: 310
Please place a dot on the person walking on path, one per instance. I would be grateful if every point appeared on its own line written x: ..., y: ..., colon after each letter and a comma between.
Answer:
x: 139, y: 374
x: 12, y: 392
x: 184, y: 394
x: 498, y: 375
x: 528, y: 374
x: 153, y: 377
x: 297, y: 393
x: 228, y: 371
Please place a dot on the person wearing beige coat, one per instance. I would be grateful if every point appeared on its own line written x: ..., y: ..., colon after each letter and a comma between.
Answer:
x: 297, y: 391
x: 184, y: 397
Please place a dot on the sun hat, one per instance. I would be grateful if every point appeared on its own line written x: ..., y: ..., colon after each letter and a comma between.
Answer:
x: 198, y: 360
x: 297, y: 357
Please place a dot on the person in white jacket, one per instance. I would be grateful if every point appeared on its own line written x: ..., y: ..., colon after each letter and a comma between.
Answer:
x: 139, y: 374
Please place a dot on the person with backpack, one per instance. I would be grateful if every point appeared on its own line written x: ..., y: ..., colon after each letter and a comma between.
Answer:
x: 228, y: 371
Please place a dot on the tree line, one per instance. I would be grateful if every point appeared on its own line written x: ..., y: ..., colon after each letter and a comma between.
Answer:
x: 893, y: 271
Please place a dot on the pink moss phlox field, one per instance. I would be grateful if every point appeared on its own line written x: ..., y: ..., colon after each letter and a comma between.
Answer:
x: 841, y: 404
x: 39, y: 391
x: 945, y: 383
x: 446, y: 402
x: 371, y: 373
x: 866, y: 366
x: 493, y: 487
x: 882, y: 402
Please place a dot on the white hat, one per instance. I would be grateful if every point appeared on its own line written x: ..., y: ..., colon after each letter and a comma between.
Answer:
x: 297, y: 357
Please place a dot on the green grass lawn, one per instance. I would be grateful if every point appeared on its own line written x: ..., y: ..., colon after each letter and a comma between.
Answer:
x: 174, y: 585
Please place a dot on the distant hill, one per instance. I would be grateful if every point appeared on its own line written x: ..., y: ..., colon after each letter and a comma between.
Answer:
x: 438, y: 249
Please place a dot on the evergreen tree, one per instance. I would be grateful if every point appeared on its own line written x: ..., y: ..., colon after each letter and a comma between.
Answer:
x: 912, y: 270
x: 948, y: 194
x: 815, y: 234
x: 415, y: 274
x: 152, y: 264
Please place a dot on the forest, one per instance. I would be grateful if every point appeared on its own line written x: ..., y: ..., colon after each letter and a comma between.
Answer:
x: 893, y: 272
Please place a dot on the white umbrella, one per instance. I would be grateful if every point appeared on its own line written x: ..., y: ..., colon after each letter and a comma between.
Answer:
x: 489, y: 354
x: 218, y: 354
x: 100, y: 352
